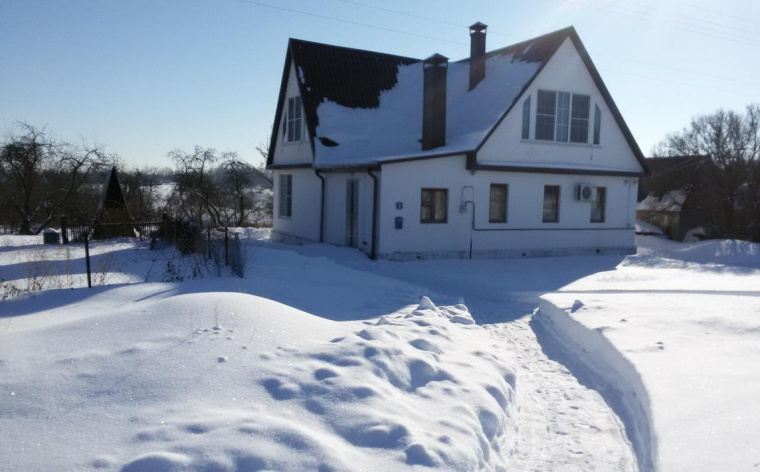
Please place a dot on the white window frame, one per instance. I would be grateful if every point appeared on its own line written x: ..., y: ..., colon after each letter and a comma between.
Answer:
x: 293, y: 129
x: 563, y: 117
x: 285, y: 204
x: 501, y: 217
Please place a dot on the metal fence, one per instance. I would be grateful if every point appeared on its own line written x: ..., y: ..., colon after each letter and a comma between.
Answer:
x: 154, y: 252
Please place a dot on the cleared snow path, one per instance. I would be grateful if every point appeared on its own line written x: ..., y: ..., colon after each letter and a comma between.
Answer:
x: 563, y: 425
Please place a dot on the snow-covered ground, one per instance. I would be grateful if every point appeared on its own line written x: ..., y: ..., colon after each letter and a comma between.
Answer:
x: 673, y: 336
x: 320, y: 359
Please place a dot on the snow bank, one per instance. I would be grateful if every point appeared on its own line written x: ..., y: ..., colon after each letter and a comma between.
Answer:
x: 674, y: 342
x: 141, y: 378
x: 715, y: 251
x: 597, y: 361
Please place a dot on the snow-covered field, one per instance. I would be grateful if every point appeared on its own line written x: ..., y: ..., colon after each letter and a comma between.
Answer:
x: 320, y: 359
x: 678, y: 331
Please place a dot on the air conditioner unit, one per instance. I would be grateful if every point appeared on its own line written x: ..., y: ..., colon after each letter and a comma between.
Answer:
x: 585, y: 193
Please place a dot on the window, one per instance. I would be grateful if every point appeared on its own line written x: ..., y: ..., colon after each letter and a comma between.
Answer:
x: 561, y: 117
x: 579, y: 123
x: 433, y: 205
x: 545, y: 115
x: 497, y: 204
x: 293, y: 120
x: 597, y: 123
x: 286, y: 196
x: 551, y: 204
x: 526, y: 119
x: 597, y: 206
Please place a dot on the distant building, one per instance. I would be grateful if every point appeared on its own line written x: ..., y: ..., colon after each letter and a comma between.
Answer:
x: 670, y: 197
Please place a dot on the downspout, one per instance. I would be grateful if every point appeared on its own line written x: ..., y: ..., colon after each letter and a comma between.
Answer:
x: 373, y: 254
x: 321, y: 207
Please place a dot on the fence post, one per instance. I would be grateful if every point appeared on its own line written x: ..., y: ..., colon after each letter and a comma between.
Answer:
x: 64, y: 230
x: 87, y: 257
x: 208, y: 242
x: 226, y: 247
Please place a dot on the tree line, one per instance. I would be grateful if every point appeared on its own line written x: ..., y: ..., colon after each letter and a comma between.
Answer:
x: 725, y: 187
x: 43, y: 178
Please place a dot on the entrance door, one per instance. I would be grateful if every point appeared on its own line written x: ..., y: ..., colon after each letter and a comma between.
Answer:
x: 352, y: 213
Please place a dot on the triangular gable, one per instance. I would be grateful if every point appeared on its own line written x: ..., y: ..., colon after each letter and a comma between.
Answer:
x: 350, y: 77
x: 571, y: 33
x: 273, y: 140
x: 111, y: 195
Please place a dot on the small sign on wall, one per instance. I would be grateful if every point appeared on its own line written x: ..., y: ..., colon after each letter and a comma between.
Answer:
x: 399, y: 222
x: 399, y: 205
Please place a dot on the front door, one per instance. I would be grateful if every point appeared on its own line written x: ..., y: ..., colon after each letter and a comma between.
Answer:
x: 352, y: 213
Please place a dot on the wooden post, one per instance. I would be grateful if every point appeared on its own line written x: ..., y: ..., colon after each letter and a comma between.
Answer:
x: 64, y: 230
x: 227, y: 246
x: 87, y: 257
x: 208, y: 241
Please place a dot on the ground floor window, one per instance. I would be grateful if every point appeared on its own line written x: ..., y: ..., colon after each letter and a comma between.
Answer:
x: 286, y: 196
x: 598, y: 204
x: 433, y: 207
x: 497, y: 203
x: 551, y: 204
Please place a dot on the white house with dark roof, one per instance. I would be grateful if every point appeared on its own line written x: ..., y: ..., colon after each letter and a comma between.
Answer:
x: 515, y: 152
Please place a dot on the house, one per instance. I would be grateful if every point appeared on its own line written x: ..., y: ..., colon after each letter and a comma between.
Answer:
x: 675, y: 195
x: 515, y: 152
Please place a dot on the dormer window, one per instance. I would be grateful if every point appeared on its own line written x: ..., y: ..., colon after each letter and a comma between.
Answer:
x: 293, y: 131
x: 562, y: 117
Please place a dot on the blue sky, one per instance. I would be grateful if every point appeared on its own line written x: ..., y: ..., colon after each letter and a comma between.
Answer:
x: 148, y: 76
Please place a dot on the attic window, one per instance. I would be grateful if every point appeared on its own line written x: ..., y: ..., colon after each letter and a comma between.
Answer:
x: 562, y: 116
x: 293, y: 120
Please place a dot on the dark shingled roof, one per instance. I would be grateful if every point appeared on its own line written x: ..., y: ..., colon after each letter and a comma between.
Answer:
x: 349, y: 77
x: 356, y: 78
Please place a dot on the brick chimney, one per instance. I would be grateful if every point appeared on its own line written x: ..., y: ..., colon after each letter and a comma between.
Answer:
x: 477, y: 53
x: 434, y: 69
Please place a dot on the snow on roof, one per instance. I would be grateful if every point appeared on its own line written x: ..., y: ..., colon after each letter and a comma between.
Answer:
x: 364, y: 107
x: 671, y: 201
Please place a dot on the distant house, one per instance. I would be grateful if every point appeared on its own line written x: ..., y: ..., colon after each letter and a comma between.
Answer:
x: 670, y: 197
x: 515, y: 152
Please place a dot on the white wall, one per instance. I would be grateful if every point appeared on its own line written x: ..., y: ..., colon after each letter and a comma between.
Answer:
x: 565, y: 72
x: 305, y: 205
x: 295, y: 152
x: 403, y: 182
x: 336, y: 208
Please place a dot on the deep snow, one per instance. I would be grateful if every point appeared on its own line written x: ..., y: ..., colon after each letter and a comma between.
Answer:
x: 672, y: 334
x: 133, y: 377
x: 338, y: 368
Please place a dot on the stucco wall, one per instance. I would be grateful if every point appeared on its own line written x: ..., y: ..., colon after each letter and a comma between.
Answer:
x: 305, y: 202
x: 565, y: 72
x: 524, y: 230
x: 295, y: 152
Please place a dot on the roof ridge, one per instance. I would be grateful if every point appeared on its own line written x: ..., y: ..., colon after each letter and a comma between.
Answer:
x: 344, y: 48
x: 566, y: 31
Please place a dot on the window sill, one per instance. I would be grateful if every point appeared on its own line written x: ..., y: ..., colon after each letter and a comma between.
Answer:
x: 281, y: 217
x: 558, y: 143
x: 293, y: 143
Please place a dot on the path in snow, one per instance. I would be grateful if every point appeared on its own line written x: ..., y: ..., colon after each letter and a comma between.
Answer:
x: 563, y: 425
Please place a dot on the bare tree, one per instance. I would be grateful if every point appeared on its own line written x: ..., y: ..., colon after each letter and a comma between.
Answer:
x: 195, y: 192
x: 732, y: 140
x: 40, y: 175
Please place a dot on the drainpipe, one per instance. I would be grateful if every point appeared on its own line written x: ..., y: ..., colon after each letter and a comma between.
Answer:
x: 373, y: 254
x: 321, y: 207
